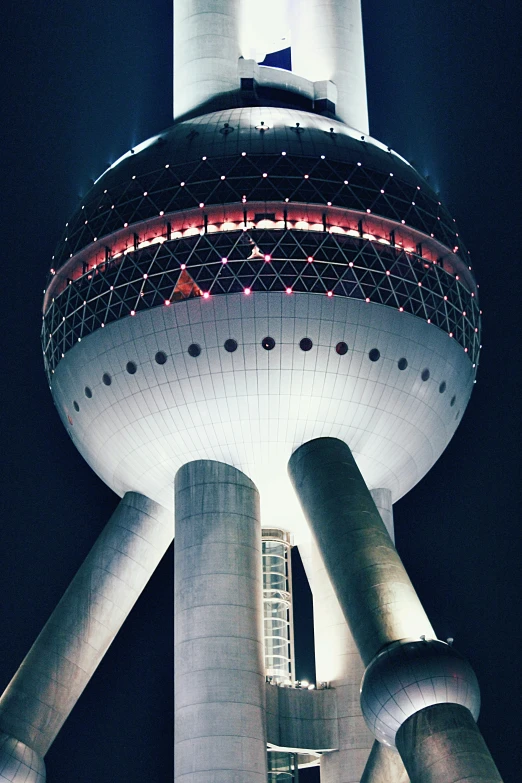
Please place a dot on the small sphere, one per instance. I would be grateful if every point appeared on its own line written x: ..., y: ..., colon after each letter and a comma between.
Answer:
x: 408, y: 676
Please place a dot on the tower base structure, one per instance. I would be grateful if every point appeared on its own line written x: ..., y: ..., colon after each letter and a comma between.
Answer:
x: 417, y: 694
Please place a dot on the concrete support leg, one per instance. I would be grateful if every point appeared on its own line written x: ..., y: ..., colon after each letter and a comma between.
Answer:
x: 61, y: 662
x: 442, y: 744
x: 384, y: 766
x: 408, y: 670
x: 338, y: 662
x: 219, y: 723
x: 369, y: 579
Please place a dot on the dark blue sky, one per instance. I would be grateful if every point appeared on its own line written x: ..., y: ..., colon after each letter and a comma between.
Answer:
x: 83, y: 83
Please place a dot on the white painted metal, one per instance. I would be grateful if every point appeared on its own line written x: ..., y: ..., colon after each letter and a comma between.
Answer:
x: 253, y: 407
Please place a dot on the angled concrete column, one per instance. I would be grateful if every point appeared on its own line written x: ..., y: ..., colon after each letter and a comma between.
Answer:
x: 369, y: 579
x: 442, y: 744
x: 383, y: 502
x: 337, y: 661
x: 384, y: 766
x: 219, y: 722
x: 74, y: 640
x: 417, y: 693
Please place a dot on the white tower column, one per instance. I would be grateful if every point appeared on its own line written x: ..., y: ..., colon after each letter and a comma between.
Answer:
x: 327, y: 44
x: 206, y: 51
x: 74, y: 640
x: 219, y: 720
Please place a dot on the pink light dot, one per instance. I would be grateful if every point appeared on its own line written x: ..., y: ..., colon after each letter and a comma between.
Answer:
x: 329, y: 293
x: 183, y: 266
x: 206, y: 295
x: 161, y: 213
x: 401, y: 309
x: 133, y: 312
x: 182, y: 184
x: 368, y: 211
x: 247, y: 291
x: 145, y: 193
x: 289, y: 290
x: 388, y: 272
x: 268, y: 258
x: 201, y: 205
x: 445, y: 298
x: 350, y: 263
x: 465, y: 350
x: 464, y: 312
x: 419, y: 283
x: 167, y: 302
x: 307, y: 176
x: 223, y: 176
x: 224, y: 260
x: 429, y: 320
x: 265, y: 174
x: 451, y: 334
x: 125, y: 225
x: 310, y: 259
x: 328, y: 203
x: 367, y: 298
x: 243, y: 154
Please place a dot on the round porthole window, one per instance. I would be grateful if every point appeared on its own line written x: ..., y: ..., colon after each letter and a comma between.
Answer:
x: 425, y: 374
x: 442, y: 387
x: 88, y: 392
x: 230, y: 345
x: 402, y: 364
x: 341, y: 348
x: 374, y: 355
x: 131, y: 368
x: 453, y: 401
x: 268, y: 343
x: 76, y: 407
x: 194, y: 350
x: 161, y: 357
x: 306, y: 344
x: 106, y: 378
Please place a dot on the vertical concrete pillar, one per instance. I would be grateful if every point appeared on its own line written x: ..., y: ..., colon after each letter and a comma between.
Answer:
x: 219, y: 723
x: 65, y: 655
x: 442, y: 744
x: 369, y: 579
x: 327, y: 44
x: 206, y: 51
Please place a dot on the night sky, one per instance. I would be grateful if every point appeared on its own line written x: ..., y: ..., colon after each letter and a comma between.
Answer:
x: 84, y: 82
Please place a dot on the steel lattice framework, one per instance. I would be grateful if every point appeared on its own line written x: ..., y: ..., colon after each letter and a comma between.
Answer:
x: 113, y: 203
x: 290, y: 261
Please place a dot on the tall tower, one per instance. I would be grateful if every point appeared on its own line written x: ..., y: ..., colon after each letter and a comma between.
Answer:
x: 262, y: 324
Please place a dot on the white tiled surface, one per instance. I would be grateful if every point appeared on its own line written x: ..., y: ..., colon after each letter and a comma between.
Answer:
x: 252, y: 408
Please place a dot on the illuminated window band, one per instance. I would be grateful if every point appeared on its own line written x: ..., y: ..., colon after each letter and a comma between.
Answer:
x: 118, y: 201
x: 260, y: 215
x: 291, y: 260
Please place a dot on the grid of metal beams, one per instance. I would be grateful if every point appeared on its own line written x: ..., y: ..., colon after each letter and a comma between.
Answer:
x: 112, y: 203
x: 288, y: 261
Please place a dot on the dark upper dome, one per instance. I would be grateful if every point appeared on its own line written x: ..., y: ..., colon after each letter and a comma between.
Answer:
x: 206, y: 155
